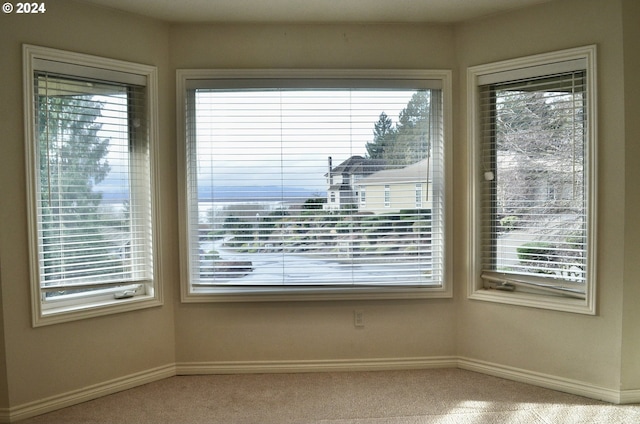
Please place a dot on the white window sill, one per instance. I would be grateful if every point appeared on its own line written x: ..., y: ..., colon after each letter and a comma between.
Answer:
x: 277, y: 294
x: 533, y: 300
x: 67, y: 313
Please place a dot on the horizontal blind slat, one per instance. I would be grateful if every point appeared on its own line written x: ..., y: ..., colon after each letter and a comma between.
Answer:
x: 257, y: 145
x: 94, y: 203
x: 534, y: 207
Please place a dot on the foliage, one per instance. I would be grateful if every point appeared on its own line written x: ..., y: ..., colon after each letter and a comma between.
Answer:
x: 72, y: 162
x: 536, y: 251
x: 314, y: 203
x: 540, y: 151
x: 508, y: 223
x: 409, y: 140
x: 383, y: 136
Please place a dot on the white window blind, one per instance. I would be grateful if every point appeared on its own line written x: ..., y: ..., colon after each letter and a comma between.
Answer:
x: 276, y: 182
x: 93, y: 192
x: 534, y: 197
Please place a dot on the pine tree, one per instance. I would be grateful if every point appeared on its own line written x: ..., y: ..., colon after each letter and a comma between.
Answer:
x: 409, y: 141
x: 383, y: 136
x: 72, y: 162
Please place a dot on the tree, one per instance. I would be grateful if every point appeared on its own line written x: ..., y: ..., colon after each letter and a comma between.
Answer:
x: 314, y: 203
x: 409, y: 140
x: 412, y: 143
x: 72, y: 162
x: 383, y: 136
x: 538, y: 137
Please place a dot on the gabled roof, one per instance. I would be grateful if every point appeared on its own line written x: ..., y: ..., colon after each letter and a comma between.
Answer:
x: 358, y: 165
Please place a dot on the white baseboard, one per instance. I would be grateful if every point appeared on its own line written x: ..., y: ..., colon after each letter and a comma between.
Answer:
x: 95, y: 391
x: 548, y: 381
x: 31, y: 409
x: 243, y: 367
x: 630, y: 396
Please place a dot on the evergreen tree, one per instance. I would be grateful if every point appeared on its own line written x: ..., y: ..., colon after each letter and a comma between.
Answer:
x: 413, y: 141
x: 383, y: 136
x: 72, y: 161
x: 409, y: 141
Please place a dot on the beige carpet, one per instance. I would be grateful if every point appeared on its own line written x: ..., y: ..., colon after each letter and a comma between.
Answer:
x: 440, y: 396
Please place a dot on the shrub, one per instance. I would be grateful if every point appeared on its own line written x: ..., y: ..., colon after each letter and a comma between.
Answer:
x: 508, y: 223
x: 536, y: 251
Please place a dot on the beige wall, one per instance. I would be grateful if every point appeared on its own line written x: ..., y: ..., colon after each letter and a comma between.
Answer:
x: 312, y: 46
x: 313, y: 330
x: 631, y: 294
x: 600, y: 350
x: 571, y: 346
x: 4, y: 387
x: 55, y: 359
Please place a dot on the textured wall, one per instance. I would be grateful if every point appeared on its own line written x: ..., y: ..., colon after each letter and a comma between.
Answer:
x: 601, y: 349
x: 313, y: 330
x: 585, y: 348
x: 55, y: 359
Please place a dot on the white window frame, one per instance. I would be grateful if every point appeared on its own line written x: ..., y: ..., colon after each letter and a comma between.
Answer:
x: 419, y: 195
x: 387, y: 196
x: 128, y: 297
x: 185, y: 77
x: 537, y: 65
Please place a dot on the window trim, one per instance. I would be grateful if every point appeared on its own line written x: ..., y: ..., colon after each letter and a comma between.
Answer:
x: 189, y: 78
x: 104, y: 303
x: 538, y: 65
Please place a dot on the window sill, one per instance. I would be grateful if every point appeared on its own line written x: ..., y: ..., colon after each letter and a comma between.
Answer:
x: 273, y: 294
x: 56, y: 315
x: 533, y: 300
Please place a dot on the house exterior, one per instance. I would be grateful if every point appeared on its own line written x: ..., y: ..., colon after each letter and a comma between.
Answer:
x: 341, y: 181
x: 392, y: 190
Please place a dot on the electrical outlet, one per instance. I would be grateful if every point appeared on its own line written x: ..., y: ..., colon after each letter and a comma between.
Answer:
x: 358, y: 318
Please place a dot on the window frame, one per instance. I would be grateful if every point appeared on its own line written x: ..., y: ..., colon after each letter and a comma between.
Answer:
x: 505, y: 71
x: 103, y: 301
x: 186, y: 77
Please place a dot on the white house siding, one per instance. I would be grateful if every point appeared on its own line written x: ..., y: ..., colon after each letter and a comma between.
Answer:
x: 401, y: 184
x: 402, y: 196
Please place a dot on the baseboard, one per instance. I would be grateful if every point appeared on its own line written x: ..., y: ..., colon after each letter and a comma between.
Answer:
x: 630, y: 396
x: 548, y: 381
x: 510, y: 373
x: 243, y: 367
x: 31, y: 409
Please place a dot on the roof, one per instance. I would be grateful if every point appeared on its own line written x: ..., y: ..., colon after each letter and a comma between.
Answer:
x: 359, y: 165
x: 416, y: 172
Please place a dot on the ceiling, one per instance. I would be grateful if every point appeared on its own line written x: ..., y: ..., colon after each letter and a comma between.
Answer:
x: 320, y: 11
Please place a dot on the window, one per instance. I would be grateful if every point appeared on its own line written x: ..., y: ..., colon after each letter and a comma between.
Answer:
x: 534, y: 181
x: 418, y: 195
x: 387, y: 196
x: 89, y: 126
x: 276, y: 165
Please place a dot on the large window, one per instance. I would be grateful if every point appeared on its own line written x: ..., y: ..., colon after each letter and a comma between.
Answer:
x: 534, y: 176
x: 89, y: 132
x: 276, y: 171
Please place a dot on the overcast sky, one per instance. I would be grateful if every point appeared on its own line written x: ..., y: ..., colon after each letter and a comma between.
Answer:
x: 244, y: 139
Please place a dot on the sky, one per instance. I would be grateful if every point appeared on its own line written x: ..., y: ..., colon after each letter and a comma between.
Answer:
x: 274, y: 137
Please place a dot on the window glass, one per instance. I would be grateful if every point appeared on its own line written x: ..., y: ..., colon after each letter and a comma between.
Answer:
x: 535, y: 203
x: 89, y: 146
x: 277, y: 179
x: 534, y: 180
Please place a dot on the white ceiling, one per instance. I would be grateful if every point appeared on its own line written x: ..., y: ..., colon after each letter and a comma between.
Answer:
x: 321, y: 11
